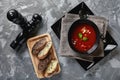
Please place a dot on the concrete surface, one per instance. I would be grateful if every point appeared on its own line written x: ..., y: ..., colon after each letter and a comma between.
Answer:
x: 18, y: 66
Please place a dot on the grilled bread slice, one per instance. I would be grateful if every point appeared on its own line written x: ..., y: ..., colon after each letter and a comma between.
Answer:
x: 51, y: 68
x: 43, y: 53
x: 43, y: 63
x: 38, y: 46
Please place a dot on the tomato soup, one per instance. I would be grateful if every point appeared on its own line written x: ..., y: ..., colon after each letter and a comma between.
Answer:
x: 83, y: 37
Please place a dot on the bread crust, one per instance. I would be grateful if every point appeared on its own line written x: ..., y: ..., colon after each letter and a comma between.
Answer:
x: 52, y: 67
x: 43, y: 63
x: 44, y: 52
x: 38, y: 46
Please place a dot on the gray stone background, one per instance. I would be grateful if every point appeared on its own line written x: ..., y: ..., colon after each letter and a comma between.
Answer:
x: 18, y: 65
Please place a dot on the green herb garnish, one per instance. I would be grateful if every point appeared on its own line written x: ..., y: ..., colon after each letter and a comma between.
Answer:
x: 85, y: 38
x: 80, y: 35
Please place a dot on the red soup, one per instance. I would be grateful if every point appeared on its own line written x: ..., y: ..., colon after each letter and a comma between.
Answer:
x: 83, y: 37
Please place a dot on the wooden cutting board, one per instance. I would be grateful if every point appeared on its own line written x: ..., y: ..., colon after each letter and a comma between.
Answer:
x: 35, y: 60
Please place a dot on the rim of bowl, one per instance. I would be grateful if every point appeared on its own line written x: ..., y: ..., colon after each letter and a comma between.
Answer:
x: 82, y: 21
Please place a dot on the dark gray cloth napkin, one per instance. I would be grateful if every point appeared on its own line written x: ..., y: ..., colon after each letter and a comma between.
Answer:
x: 65, y: 49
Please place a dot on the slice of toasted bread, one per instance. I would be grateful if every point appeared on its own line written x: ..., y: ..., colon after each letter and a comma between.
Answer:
x: 43, y: 63
x: 48, y: 75
x: 43, y: 53
x: 38, y: 46
x: 51, y: 67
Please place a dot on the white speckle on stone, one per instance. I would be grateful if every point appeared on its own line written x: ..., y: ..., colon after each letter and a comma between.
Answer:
x: 86, y: 74
x: 26, y: 55
x: 12, y: 71
x: 12, y: 66
x: 45, y: 3
x: 1, y: 4
x: 115, y: 63
x: 8, y: 56
x: 61, y: 3
x: 7, y: 33
x: 0, y: 73
x: 88, y: 2
x: 35, y: 3
x: 14, y: 28
x: 26, y: 6
x: 1, y: 28
x: 26, y: 14
x: 73, y: 3
x: 3, y: 42
x: 118, y: 20
x: 109, y: 47
x: 27, y: 76
x: 97, y: 75
x: 63, y: 61
x: 13, y: 2
x: 50, y: 19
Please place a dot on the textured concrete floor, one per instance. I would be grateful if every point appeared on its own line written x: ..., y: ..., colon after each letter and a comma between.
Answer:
x: 18, y: 66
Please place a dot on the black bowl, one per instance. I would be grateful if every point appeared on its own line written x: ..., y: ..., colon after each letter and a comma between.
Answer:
x: 88, y: 22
